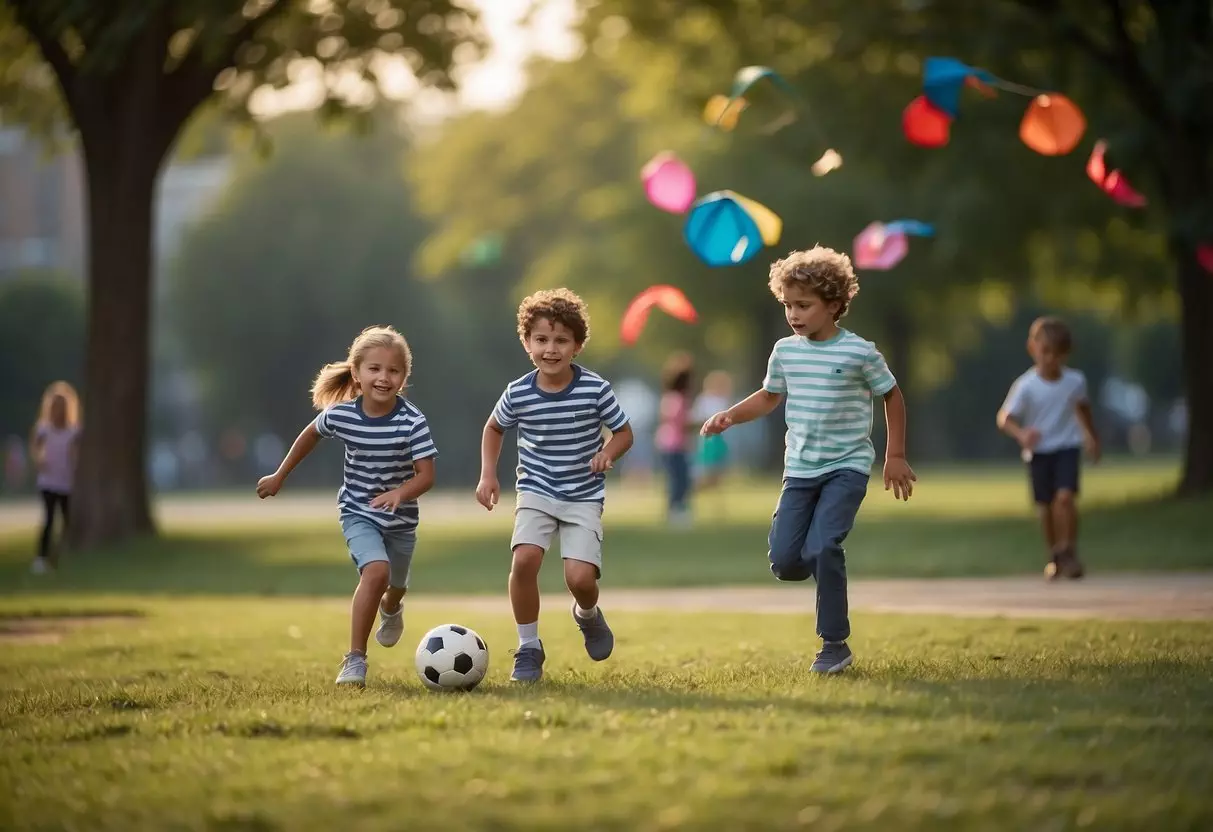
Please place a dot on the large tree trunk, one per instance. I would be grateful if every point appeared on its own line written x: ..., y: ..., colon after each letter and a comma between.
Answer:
x: 1196, y: 297
x: 110, y: 499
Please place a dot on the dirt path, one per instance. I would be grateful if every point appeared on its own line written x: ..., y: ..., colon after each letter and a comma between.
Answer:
x: 1166, y: 596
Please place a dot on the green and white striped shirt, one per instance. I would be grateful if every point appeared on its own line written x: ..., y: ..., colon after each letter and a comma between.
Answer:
x: 829, y: 387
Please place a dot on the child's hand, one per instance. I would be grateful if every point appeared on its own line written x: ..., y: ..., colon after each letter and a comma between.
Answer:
x: 487, y: 492
x: 1094, y: 451
x: 388, y: 500
x: 1028, y: 437
x: 601, y: 462
x: 899, y: 476
x: 269, y: 486
x: 719, y: 423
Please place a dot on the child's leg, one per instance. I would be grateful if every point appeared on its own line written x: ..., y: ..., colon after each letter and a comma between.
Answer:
x: 365, y: 606
x: 48, y: 522
x: 1042, y: 474
x: 841, y: 494
x: 524, y: 589
x: 789, y: 527
x: 400, y: 545
x: 581, y: 551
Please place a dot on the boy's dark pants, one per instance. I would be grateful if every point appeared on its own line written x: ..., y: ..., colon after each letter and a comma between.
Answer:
x: 810, y: 523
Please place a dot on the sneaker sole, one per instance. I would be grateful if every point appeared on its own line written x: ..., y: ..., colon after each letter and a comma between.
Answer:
x: 836, y: 668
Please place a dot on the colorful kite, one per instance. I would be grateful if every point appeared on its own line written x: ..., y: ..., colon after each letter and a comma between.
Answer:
x: 668, y: 183
x: 1113, y: 183
x: 1052, y: 125
x: 881, y: 246
x: 1204, y: 256
x: 942, y: 79
x: 725, y: 111
x: 668, y: 299
x: 727, y: 229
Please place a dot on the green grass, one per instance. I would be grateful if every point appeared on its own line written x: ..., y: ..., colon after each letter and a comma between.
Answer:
x: 221, y: 714
x: 961, y: 521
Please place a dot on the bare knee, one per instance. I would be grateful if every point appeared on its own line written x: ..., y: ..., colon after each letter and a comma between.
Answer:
x: 1064, y: 499
x: 527, y: 560
x: 580, y: 577
x: 375, y: 576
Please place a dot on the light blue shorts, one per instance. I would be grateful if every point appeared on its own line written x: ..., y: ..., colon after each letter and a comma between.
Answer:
x: 369, y: 543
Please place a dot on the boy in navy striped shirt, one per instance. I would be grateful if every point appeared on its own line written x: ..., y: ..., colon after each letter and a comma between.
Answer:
x: 389, y: 463
x: 559, y: 409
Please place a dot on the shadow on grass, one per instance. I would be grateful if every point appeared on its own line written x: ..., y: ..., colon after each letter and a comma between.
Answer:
x: 312, y: 561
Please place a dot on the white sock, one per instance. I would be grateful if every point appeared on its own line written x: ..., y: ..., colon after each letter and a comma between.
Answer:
x: 528, y: 634
x: 590, y: 613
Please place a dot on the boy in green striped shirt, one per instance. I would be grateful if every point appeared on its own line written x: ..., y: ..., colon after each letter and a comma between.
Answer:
x: 829, y: 376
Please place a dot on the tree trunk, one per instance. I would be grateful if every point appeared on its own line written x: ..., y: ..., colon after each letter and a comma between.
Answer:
x: 110, y: 499
x: 1196, y: 297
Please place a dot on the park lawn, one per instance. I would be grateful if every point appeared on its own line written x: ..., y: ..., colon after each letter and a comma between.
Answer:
x: 960, y: 522
x: 221, y: 714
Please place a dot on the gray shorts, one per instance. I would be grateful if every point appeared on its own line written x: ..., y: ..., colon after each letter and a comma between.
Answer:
x: 369, y: 543
x: 537, y: 518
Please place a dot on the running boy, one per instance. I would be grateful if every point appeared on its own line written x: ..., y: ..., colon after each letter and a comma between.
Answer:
x: 1047, y: 412
x: 559, y: 409
x: 829, y: 377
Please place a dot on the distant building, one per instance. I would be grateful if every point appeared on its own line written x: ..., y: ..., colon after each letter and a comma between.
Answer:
x: 42, y: 204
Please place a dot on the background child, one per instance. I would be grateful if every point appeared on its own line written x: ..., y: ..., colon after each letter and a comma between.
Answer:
x: 828, y: 376
x: 54, y: 441
x: 389, y: 463
x: 717, y: 395
x: 673, y: 437
x: 1047, y: 412
x: 559, y: 409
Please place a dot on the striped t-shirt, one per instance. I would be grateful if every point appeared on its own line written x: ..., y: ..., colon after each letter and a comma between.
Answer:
x: 829, y: 387
x: 559, y: 433
x: 379, y: 456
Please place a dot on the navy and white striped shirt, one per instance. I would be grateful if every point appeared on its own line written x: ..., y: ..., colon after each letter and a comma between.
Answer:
x: 559, y: 433
x: 379, y: 456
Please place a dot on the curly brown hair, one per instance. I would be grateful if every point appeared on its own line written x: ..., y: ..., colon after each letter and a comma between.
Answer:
x: 557, y: 306
x: 823, y: 271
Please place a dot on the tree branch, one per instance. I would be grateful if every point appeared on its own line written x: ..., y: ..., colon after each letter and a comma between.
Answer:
x: 48, y: 43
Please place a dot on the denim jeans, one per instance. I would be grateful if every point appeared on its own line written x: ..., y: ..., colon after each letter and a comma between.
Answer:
x: 813, y: 518
x: 678, y: 480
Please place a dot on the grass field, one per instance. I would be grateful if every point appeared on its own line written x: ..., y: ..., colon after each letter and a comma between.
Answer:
x: 186, y: 683
x: 960, y: 522
x: 221, y: 714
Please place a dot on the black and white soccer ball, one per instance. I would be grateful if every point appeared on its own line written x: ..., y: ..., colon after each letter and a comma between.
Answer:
x: 452, y: 657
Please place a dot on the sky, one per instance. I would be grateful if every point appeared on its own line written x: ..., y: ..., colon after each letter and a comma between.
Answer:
x: 493, y: 83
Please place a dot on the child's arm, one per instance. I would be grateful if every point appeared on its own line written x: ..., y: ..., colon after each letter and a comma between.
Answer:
x: 754, y: 406
x: 488, y: 489
x: 421, y: 482
x: 37, y: 441
x: 304, y: 444
x: 897, y: 472
x: 621, y: 440
x: 1087, y: 420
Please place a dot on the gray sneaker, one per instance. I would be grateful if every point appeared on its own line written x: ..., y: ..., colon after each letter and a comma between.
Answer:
x: 528, y: 664
x: 353, y: 670
x: 834, y: 657
x: 599, y: 640
x: 391, y: 626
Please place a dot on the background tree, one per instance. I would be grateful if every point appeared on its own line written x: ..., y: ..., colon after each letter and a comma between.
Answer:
x: 1142, y: 69
x: 130, y: 73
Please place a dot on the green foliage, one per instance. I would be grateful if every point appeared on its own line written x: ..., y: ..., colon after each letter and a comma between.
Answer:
x: 41, y: 340
x: 305, y: 250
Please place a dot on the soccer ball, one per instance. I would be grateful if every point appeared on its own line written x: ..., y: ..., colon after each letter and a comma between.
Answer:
x: 451, y: 657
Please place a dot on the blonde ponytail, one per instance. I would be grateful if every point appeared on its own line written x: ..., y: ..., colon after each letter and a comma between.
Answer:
x: 334, y: 383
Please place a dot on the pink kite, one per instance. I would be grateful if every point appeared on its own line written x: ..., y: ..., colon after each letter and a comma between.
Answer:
x: 1113, y: 182
x: 668, y: 183
x: 668, y: 299
x: 1204, y: 256
x: 882, y: 245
